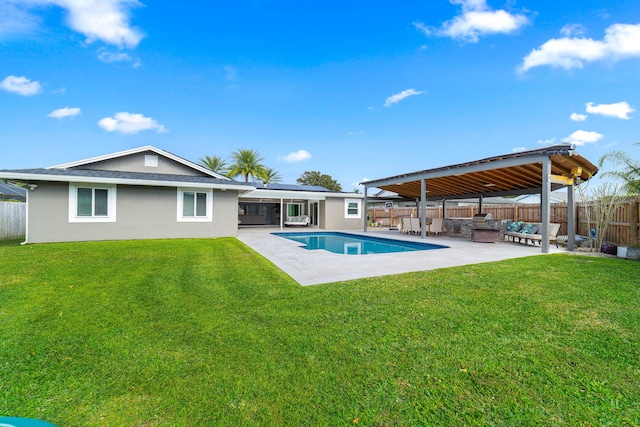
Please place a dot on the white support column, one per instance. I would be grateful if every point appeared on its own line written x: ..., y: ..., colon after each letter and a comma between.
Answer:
x: 423, y: 208
x: 281, y: 213
x: 571, y: 218
x: 545, y: 210
x: 365, y: 221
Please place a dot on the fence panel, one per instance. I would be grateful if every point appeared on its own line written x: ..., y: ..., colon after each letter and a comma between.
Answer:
x: 623, y: 229
x: 13, y: 219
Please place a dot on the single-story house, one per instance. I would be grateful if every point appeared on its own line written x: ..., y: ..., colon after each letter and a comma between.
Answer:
x: 149, y: 193
x: 141, y: 193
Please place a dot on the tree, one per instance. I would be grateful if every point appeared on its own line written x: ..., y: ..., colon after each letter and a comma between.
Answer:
x: 599, y: 204
x: 317, y: 178
x: 270, y: 175
x: 246, y: 163
x: 215, y: 164
x: 628, y: 170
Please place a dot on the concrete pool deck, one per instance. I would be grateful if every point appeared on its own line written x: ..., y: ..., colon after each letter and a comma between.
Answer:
x: 313, y: 267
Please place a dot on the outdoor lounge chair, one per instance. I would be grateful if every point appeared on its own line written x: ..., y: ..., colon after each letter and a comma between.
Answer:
x: 300, y: 220
x: 522, y: 233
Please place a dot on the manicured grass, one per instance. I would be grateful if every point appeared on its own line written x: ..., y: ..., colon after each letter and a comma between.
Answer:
x: 207, y: 332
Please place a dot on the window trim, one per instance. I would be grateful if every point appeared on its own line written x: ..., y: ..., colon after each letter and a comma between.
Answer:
x: 358, y: 203
x: 209, y: 205
x: 111, y: 203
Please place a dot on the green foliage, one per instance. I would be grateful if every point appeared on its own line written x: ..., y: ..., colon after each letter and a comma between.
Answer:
x: 215, y: 164
x: 208, y: 332
x: 246, y: 163
x: 628, y: 170
x: 270, y: 175
x: 317, y: 178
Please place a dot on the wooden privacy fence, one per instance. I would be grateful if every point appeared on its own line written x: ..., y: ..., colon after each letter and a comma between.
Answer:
x: 622, y: 230
x: 13, y: 219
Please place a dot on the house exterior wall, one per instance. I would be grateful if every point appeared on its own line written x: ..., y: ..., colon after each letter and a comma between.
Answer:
x: 135, y: 163
x: 141, y: 213
x: 333, y: 216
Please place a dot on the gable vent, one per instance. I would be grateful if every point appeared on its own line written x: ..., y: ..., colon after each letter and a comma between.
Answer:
x: 151, y: 160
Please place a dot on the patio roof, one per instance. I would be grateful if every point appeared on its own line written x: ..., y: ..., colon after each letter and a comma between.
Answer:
x: 505, y: 175
x: 527, y: 172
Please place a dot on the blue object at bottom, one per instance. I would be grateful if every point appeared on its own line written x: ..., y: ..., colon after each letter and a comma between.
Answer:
x: 23, y: 422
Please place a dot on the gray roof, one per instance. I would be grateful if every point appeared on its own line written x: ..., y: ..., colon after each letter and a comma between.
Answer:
x: 135, y: 176
x: 289, y: 187
x: 12, y: 190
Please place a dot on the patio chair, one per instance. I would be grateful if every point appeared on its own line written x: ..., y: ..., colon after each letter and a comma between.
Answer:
x: 406, y: 225
x: 415, y: 225
x: 436, y: 226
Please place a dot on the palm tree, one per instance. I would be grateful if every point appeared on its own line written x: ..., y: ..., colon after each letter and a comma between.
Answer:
x: 628, y: 170
x: 214, y: 163
x: 246, y: 163
x: 270, y: 175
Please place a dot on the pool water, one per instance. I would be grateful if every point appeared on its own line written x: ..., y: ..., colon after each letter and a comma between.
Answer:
x: 351, y: 244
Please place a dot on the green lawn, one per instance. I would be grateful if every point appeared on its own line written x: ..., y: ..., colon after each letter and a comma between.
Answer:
x: 207, y: 333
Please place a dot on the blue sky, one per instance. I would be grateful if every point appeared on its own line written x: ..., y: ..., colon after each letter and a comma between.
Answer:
x: 357, y: 90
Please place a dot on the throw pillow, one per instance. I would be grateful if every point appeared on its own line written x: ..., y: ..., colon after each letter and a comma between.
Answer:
x: 526, y: 229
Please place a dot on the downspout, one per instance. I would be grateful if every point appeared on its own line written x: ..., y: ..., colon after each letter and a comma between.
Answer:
x: 26, y: 231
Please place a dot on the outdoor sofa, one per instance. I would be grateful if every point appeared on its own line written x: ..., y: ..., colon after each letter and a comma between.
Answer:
x: 300, y: 220
x: 529, y: 231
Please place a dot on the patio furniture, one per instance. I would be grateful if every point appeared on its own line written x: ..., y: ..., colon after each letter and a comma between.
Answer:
x: 436, y: 226
x: 529, y: 231
x: 300, y: 220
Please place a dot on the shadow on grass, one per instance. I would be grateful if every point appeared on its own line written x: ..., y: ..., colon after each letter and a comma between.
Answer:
x: 11, y: 242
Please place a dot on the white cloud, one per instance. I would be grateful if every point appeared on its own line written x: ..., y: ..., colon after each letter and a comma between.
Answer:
x: 20, y: 85
x: 620, y: 41
x: 518, y: 149
x: 15, y: 19
x: 477, y: 19
x: 104, y: 20
x: 571, y: 30
x: 355, y: 133
x: 61, y: 113
x: 576, y: 117
x: 582, y: 137
x: 393, y: 99
x: 620, y: 110
x: 124, y: 122
x: 296, y: 156
x: 109, y: 57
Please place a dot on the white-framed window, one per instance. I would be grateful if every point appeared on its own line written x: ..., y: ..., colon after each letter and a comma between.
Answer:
x: 352, y: 208
x: 295, y: 209
x: 92, y: 203
x: 195, y: 205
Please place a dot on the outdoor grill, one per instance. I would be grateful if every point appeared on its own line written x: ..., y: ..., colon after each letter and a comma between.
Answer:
x: 480, y: 220
x: 481, y: 232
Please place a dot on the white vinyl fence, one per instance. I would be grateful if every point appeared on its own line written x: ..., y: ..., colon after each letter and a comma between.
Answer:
x: 13, y: 219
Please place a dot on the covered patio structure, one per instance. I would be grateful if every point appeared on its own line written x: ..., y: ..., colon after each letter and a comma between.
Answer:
x: 527, y: 172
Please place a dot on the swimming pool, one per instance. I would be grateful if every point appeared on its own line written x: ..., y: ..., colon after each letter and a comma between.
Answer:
x: 352, y: 244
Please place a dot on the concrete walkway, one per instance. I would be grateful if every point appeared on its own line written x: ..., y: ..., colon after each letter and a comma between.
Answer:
x: 312, y: 267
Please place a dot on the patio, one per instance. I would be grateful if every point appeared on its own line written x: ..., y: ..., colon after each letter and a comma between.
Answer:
x: 318, y: 266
